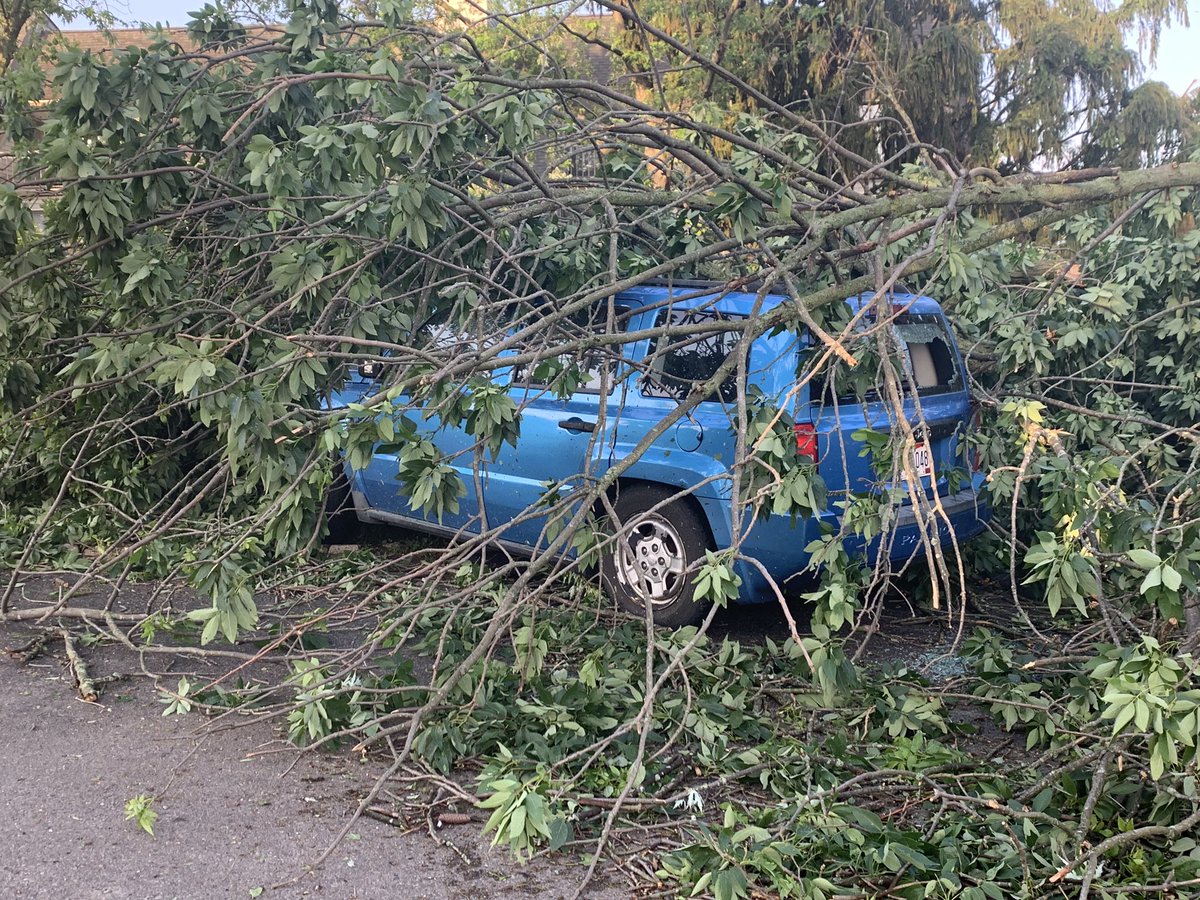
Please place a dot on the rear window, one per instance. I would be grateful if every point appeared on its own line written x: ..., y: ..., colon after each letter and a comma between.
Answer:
x: 679, y: 362
x: 931, y: 363
x: 923, y: 351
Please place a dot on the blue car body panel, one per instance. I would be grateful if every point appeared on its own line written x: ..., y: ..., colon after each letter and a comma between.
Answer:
x: 695, y: 453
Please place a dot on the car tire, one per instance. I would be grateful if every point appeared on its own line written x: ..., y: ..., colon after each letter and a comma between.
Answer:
x: 341, y: 520
x: 662, y: 543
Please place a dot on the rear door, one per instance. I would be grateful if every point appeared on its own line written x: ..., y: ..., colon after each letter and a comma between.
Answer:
x: 671, y: 365
x: 564, y: 427
x: 694, y: 341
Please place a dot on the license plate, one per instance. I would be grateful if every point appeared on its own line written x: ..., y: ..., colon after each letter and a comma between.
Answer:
x: 922, y: 461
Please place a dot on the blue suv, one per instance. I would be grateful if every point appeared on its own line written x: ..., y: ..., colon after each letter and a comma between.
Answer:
x: 674, y: 501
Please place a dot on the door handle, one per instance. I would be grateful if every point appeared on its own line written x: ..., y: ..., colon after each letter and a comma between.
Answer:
x: 577, y: 424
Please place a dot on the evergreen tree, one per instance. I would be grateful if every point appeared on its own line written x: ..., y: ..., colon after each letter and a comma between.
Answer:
x: 1003, y: 83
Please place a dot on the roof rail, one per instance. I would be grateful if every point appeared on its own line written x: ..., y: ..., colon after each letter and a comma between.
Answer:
x: 742, y: 283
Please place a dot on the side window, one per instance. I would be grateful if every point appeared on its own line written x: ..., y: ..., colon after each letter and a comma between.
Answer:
x: 434, y: 336
x: 593, y: 364
x: 682, y: 360
x: 444, y: 336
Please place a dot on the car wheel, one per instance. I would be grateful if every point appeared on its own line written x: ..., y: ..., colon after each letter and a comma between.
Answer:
x: 651, y: 559
x: 341, y: 521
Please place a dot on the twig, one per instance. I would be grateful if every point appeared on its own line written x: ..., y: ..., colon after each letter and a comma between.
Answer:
x: 71, y: 612
x: 83, y: 681
x: 29, y: 649
x: 386, y: 818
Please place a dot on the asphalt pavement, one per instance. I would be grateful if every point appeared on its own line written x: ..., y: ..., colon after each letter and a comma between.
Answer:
x: 241, y: 814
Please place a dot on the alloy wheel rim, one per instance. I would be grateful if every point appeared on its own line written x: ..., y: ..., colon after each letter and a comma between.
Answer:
x: 651, y: 561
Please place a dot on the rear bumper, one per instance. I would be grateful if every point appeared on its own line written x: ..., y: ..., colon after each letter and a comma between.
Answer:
x: 960, y: 517
x: 778, y: 543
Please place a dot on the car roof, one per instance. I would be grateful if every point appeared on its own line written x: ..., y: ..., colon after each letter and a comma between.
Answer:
x: 691, y: 295
x: 915, y: 303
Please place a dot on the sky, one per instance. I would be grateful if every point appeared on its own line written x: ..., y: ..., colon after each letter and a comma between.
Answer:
x: 1178, y: 62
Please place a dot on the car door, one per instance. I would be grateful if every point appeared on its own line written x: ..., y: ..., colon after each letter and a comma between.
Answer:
x: 379, y: 482
x: 564, y: 440
x: 701, y: 447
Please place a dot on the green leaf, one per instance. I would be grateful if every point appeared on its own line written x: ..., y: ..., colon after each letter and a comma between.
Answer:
x: 211, y: 627
x: 535, y: 806
x: 716, y: 580
x: 730, y: 884
x: 516, y: 824
x: 1171, y: 578
x: 1123, y: 717
x: 141, y: 810
x: 1160, y: 756
x: 1152, y: 580
x: 1144, y: 559
x: 1141, y: 715
x: 561, y: 833
x: 914, y: 858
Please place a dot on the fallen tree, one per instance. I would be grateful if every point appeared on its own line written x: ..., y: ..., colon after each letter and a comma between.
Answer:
x: 227, y: 230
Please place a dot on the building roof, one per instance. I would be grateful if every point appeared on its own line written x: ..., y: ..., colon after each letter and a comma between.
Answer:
x: 122, y: 38
x: 116, y: 39
x: 592, y: 32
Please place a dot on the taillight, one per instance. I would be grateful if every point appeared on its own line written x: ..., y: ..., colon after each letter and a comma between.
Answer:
x: 806, y: 441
